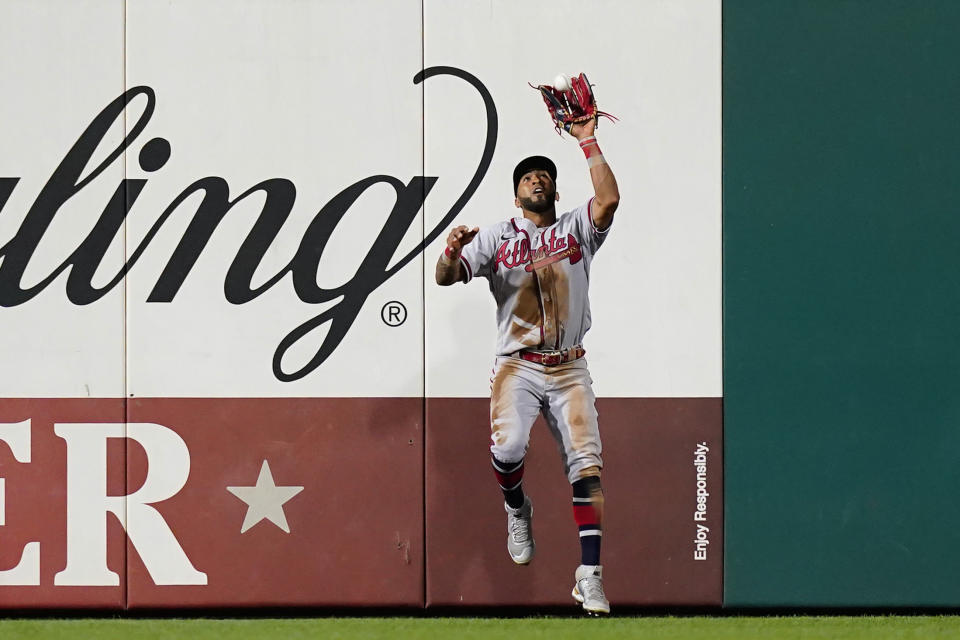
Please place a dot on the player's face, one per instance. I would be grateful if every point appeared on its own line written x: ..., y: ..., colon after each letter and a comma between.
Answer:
x: 536, y: 191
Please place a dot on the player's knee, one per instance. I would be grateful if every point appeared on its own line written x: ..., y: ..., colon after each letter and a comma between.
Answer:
x: 508, y: 446
x: 508, y: 450
x: 584, y: 467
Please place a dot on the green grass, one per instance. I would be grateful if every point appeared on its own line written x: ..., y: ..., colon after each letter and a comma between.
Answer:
x: 666, y: 628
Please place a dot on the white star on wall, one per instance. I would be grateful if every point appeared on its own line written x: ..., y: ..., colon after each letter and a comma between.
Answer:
x: 265, y: 500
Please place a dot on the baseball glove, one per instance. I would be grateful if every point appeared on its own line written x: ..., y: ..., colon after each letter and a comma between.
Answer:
x: 573, y: 105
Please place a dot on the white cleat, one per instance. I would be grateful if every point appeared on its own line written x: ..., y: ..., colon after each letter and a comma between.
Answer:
x: 520, y: 542
x: 589, y: 590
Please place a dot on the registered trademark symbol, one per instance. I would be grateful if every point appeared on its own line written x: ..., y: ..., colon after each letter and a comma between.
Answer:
x: 393, y: 314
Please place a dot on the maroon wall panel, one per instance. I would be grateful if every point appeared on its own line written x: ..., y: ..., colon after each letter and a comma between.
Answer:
x: 650, y: 484
x: 355, y: 530
x: 35, y: 505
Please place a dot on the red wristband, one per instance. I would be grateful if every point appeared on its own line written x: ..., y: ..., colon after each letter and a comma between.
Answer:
x: 590, y: 147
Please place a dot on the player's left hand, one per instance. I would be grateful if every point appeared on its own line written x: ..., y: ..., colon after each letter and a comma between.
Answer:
x: 574, y: 107
x: 458, y: 238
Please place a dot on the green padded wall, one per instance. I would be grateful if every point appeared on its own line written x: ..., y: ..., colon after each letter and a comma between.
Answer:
x: 842, y: 302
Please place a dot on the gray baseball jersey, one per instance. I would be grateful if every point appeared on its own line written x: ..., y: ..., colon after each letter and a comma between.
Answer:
x: 539, y: 278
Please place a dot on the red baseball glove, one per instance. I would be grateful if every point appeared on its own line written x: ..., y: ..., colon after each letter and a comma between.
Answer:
x: 575, y: 105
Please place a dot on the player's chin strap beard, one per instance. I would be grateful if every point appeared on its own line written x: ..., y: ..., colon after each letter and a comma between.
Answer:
x: 533, y: 206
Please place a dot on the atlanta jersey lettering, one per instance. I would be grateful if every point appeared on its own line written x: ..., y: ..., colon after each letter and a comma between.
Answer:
x: 539, y: 277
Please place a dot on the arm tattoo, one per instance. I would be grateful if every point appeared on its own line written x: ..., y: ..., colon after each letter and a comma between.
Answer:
x: 448, y: 271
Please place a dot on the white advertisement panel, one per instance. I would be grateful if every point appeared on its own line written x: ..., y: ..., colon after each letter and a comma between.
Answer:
x: 61, y: 198
x: 267, y: 151
x: 282, y: 163
x: 655, y: 287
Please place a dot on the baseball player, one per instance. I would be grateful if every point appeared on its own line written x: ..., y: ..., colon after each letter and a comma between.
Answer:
x: 538, y: 268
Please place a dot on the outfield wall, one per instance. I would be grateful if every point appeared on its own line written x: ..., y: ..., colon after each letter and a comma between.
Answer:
x: 230, y: 379
x: 841, y: 303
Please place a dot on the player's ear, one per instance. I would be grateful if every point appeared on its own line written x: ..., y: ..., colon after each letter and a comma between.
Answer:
x: 556, y: 196
x: 516, y: 203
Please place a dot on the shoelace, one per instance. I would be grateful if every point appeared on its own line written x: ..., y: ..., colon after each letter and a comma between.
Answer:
x: 520, y: 529
x: 592, y: 588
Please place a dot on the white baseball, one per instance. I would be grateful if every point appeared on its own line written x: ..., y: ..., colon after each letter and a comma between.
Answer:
x: 561, y: 83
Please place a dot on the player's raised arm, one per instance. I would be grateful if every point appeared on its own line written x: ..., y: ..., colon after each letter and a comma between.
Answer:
x: 449, y: 269
x: 607, y: 194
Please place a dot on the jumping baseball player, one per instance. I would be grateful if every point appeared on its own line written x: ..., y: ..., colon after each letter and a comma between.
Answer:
x: 538, y: 268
